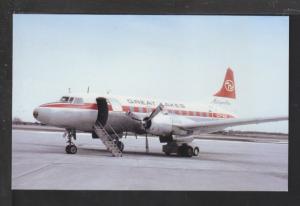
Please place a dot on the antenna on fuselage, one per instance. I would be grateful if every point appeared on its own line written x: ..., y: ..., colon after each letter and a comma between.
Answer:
x: 88, y: 89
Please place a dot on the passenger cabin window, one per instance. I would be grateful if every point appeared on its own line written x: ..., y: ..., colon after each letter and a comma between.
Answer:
x: 78, y: 101
x: 71, y: 100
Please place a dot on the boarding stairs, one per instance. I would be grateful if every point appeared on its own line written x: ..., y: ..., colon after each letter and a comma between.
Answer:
x: 107, y: 140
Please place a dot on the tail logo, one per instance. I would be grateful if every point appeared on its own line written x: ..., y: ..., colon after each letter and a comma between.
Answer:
x: 229, y: 85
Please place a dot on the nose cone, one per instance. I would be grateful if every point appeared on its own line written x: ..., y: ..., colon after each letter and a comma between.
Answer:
x: 36, y: 113
x: 42, y: 114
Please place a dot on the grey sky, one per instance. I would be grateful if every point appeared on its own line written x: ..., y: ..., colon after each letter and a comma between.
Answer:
x: 169, y: 57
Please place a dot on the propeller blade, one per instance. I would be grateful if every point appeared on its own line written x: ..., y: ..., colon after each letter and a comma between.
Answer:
x: 147, y: 144
x: 133, y: 116
x: 156, y: 111
x: 146, y: 121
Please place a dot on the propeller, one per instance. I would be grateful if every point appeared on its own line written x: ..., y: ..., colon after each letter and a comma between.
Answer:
x: 146, y: 122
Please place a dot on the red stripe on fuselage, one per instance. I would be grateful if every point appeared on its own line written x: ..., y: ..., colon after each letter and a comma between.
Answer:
x: 68, y: 105
x: 93, y: 106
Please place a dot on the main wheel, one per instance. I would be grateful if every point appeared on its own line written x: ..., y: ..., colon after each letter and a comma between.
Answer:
x: 180, y: 151
x: 196, y: 151
x: 189, y: 151
x: 68, y: 149
x: 120, y: 145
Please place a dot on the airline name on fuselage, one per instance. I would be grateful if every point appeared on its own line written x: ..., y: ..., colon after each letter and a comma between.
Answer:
x: 152, y: 103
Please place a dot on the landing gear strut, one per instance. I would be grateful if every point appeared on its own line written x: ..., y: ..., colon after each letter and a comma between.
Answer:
x: 71, y: 147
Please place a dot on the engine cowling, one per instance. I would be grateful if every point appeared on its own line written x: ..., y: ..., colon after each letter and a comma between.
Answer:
x: 161, y: 125
x: 164, y: 139
x: 186, y: 139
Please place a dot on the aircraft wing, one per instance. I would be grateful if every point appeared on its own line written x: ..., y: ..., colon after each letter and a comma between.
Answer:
x: 216, y: 125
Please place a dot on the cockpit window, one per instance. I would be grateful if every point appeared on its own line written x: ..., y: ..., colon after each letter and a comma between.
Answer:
x: 71, y: 100
x: 64, y: 99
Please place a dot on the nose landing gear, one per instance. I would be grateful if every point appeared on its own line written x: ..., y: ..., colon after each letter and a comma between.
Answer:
x: 71, y: 147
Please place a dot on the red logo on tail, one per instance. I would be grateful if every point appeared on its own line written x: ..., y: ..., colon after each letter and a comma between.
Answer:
x: 228, y: 88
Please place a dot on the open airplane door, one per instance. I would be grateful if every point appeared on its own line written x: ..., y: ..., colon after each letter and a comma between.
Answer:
x: 102, y: 111
x: 100, y: 131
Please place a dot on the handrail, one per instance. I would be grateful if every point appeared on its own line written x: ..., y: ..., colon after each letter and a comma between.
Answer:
x: 100, y: 125
x: 113, y: 130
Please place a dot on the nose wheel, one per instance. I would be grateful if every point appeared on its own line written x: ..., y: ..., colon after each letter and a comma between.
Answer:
x: 71, y: 147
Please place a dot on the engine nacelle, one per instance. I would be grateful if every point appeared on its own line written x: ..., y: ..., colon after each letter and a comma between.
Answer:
x: 164, y: 139
x: 161, y: 125
x: 185, y: 139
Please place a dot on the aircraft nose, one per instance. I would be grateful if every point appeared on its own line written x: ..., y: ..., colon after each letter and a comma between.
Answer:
x: 36, y: 113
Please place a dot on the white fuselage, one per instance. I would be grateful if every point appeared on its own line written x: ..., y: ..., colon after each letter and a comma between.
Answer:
x: 81, y: 113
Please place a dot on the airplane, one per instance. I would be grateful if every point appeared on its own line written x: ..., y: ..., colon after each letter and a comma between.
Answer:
x: 109, y: 117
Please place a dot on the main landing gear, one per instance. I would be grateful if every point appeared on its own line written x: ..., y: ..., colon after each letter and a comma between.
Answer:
x: 187, y: 151
x: 183, y: 150
x: 71, y: 147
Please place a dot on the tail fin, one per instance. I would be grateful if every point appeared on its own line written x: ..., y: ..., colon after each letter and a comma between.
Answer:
x: 228, y: 88
x: 225, y: 98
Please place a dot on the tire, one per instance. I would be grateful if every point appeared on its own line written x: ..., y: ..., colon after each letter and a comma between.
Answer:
x: 196, y: 151
x: 72, y: 149
x: 180, y: 151
x: 189, y: 151
x: 68, y: 149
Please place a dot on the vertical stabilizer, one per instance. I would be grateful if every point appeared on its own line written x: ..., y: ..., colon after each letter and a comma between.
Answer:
x: 228, y: 88
x: 226, y: 96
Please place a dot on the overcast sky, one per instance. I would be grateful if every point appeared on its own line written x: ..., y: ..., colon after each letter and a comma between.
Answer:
x: 180, y: 58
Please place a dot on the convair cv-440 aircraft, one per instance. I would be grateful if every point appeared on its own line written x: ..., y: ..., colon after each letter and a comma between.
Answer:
x: 108, y: 117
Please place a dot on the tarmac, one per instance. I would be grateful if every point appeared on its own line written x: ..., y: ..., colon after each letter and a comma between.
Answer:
x: 39, y: 161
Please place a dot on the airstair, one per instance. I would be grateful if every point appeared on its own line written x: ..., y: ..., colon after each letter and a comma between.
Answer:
x: 107, y: 140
